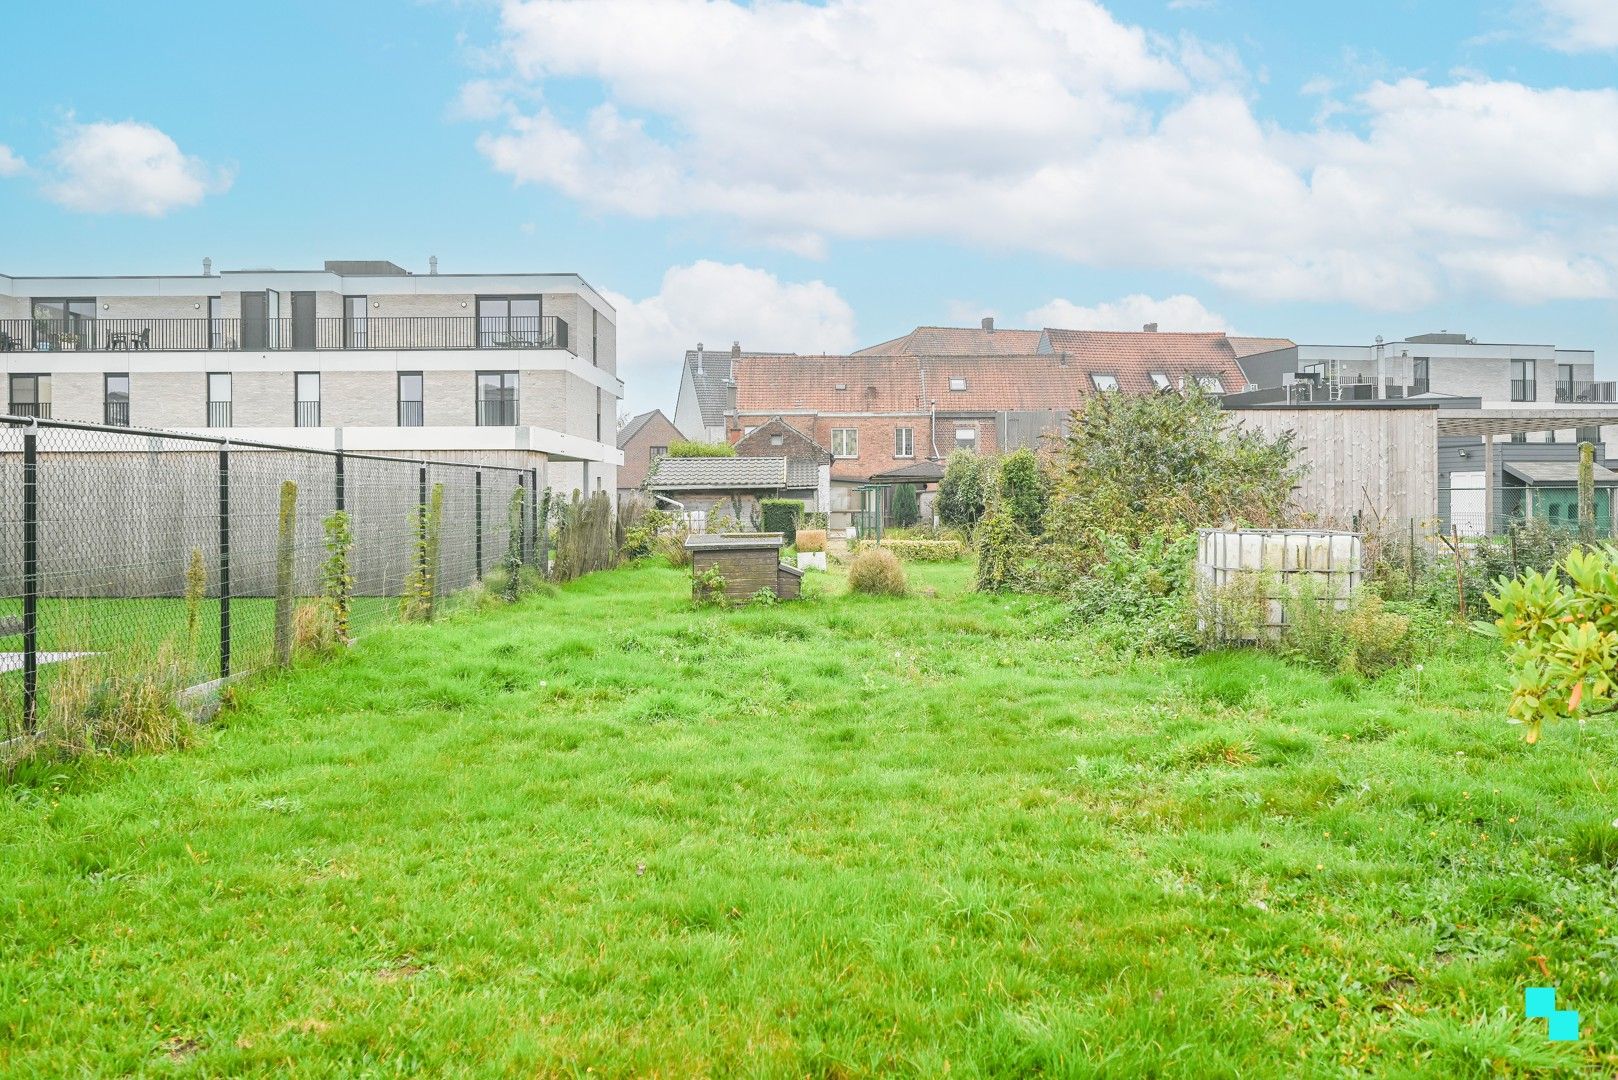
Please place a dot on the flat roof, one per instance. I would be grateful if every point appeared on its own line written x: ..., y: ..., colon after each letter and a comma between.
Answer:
x: 1557, y: 472
x: 1486, y: 422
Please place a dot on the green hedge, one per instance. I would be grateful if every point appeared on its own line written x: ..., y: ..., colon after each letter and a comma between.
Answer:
x: 701, y: 449
x: 781, y: 515
x: 925, y: 550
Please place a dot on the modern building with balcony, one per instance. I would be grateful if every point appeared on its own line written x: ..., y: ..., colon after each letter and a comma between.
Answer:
x: 363, y: 356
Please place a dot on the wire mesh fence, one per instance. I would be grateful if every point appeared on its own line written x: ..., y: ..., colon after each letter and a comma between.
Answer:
x: 184, y: 559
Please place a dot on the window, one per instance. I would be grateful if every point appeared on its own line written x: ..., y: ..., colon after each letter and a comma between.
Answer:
x: 64, y: 324
x: 957, y: 384
x: 966, y: 438
x: 904, y: 442
x: 497, y: 399
x: 595, y: 337
x: 1104, y: 382
x: 218, y: 399
x: 31, y: 396
x: 845, y: 442
x: 116, y: 396
x: 1591, y: 435
x: 1160, y: 381
x: 410, y: 407
x: 659, y: 453
x: 1564, y: 382
x: 306, y: 409
x: 508, y: 322
x: 1211, y: 384
x: 1519, y: 437
x: 218, y: 334
x: 778, y: 440
x: 1421, y: 371
x: 355, y: 315
x: 1522, y: 381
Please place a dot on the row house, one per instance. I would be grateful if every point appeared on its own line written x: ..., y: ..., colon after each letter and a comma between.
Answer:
x: 358, y: 355
x: 896, y: 411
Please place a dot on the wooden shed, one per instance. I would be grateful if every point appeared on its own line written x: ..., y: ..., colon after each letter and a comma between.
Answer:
x: 748, y: 562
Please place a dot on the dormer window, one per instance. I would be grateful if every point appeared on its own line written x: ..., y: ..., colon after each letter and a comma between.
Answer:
x: 1160, y: 381
x: 842, y: 386
x: 957, y: 383
x: 1104, y: 383
x: 1211, y: 384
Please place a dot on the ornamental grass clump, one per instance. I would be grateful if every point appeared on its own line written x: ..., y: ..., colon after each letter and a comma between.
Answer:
x: 877, y: 572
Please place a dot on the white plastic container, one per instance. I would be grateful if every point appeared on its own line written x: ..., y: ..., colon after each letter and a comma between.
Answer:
x: 1283, y: 562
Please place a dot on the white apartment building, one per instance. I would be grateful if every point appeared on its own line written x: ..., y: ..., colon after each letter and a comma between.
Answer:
x: 362, y: 356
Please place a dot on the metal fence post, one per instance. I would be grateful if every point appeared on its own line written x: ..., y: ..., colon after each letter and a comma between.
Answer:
x: 224, y: 561
x: 340, y: 497
x: 30, y: 577
x: 477, y: 526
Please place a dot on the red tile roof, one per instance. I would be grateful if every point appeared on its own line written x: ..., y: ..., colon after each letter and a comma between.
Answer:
x: 957, y: 341
x: 1132, y: 355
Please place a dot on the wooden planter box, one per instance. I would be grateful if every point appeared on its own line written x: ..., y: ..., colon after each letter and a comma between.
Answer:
x: 748, y: 562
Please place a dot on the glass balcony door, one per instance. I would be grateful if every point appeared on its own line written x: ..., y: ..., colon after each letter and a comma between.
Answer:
x: 506, y: 322
x: 64, y: 324
x: 497, y: 399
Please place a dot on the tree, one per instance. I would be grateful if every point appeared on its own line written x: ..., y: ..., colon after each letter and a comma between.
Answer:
x: 1132, y: 465
x: 1024, y: 490
x: 961, y: 494
x: 1560, y: 630
x: 906, y: 508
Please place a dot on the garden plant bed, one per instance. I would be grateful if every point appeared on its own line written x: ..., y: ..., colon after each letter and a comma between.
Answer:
x: 602, y: 829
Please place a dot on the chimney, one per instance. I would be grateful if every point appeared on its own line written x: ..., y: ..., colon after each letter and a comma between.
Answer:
x: 432, y: 264
x: 735, y: 350
x: 988, y: 322
x: 1149, y: 328
x: 699, y: 359
x: 207, y: 268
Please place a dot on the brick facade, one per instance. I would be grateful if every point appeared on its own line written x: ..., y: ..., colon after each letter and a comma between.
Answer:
x: 657, y: 430
x: 876, y: 439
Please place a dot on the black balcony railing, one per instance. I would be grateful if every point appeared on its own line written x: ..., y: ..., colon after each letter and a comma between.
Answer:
x: 117, y: 414
x: 497, y: 412
x: 1586, y: 391
x: 40, y: 409
x: 260, y: 335
x: 218, y: 414
x: 306, y: 414
x: 410, y: 414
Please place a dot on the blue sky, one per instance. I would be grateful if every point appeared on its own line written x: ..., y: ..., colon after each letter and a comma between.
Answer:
x: 817, y: 177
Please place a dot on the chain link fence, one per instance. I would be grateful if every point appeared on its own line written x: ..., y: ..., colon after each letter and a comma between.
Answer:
x: 152, y: 554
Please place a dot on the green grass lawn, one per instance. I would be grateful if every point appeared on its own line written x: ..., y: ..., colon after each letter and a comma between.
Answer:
x: 602, y: 832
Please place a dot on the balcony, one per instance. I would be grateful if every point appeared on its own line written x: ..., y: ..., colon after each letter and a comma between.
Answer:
x: 219, y: 414
x: 1586, y: 392
x: 116, y: 413
x: 306, y: 414
x: 39, y: 409
x: 260, y: 335
x: 410, y: 414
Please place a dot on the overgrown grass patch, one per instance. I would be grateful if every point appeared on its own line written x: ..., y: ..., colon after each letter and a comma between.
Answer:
x: 599, y: 829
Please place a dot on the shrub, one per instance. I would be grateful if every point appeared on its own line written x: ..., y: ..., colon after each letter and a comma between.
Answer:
x: 314, y: 628
x: 1145, y: 592
x: 781, y: 515
x: 1561, y: 635
x: 765, y: 596
x: 1003, y: 551
x: 511, y: 587
x: 672, y: 547
x: 906, y: 507
x: 421, y: 584
x: 700, y: 449
x: 1024, y: 490
x: 641, y: 533
x: 877, y: 572
x: 196, y: 584
x: 585, y: 537
x: 811, y: 540
x: 337, y: 574
x: 1361, y: 638
x: 708, y: 587
x: 925, y: 550
x: 963, y: 491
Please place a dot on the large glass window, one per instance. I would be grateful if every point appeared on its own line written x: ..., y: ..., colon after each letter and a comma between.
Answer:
x: 1564, y: 382
x: 117, y: 398
x: 219, y: 399
x: 506, y: 322
x: 904, y: 442
x: 1421, y: 380
x: 410, y: 403
x: 354, y: 316
x: 1104, y: 383
x: 1522, y: 381
x: 845, y: 442
x: 31, y: 396
x: 497, y: 398
x: 306, y: 409
x: 64, y: 324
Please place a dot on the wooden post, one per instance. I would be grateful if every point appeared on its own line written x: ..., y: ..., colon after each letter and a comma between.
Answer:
x: 1488, y: 485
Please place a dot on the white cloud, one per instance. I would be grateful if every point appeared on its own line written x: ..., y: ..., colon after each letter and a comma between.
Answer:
x: 1063, y: 132
x: 1580, y: 25
x: 127, y: 167
x: 1178, y: 312
x: 10, y: 163
x: 715, y: 304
